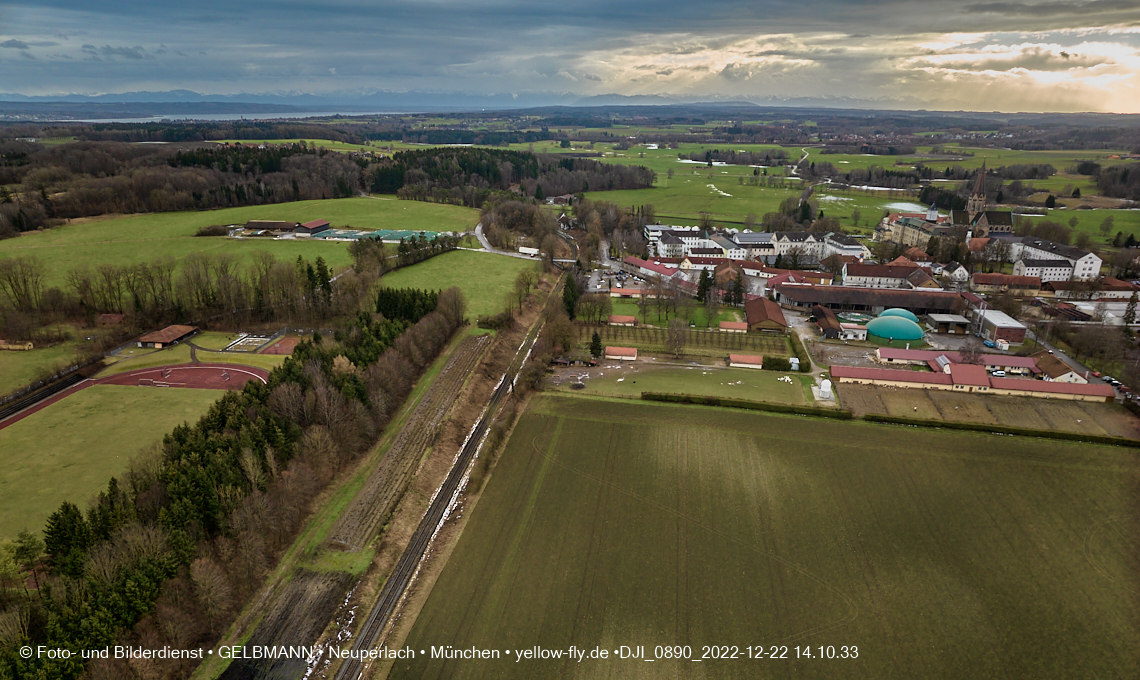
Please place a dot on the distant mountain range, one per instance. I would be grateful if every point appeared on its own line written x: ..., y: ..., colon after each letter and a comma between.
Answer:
x: 189, y: 103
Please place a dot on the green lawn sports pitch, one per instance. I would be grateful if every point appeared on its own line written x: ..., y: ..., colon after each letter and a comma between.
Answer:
x: 732, y: 534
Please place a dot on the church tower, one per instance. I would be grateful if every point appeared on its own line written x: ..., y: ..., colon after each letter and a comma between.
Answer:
x: 976, y: 204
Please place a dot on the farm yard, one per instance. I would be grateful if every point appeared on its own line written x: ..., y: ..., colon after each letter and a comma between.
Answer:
x: 937, y: 554
x: 1041, y: 414
x: 69, y: 450
x: 633, y: 378
x: 144, y: 238
x: 698, y: 343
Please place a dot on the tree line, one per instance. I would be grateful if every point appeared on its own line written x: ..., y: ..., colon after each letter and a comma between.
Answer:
x: 170, y: 552
x: 88, y: 178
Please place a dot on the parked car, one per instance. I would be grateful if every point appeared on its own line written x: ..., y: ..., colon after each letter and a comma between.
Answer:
x: 990, y: 343
x: 998, y: 374
x: 1096, y: 374
x: 1107, y: 378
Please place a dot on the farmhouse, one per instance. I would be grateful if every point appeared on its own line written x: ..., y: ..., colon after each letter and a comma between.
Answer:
x: 733, y: 327
x: 1038, y: 257
x: 311, y: 228
x: 1053, y: 369
x: 621, y: 353
x: 109, y: 319
x: 167, y: 336
x: 765, y: 315
x: 745, y: 361
x: 619, y: 320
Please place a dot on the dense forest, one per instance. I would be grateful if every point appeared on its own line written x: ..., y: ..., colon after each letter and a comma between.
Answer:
x: 89, y: 178
x: 472, y: 176
x: 169, y: 553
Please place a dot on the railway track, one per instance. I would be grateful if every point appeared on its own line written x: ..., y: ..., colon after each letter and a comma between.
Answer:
x: 36, y: 397
x: 394, y: 589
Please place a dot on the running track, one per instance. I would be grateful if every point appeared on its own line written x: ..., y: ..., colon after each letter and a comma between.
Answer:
x: 201, y: 376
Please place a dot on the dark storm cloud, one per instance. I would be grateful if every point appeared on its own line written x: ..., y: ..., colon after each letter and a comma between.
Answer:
x: 587, y: 46
x: 15, y: 44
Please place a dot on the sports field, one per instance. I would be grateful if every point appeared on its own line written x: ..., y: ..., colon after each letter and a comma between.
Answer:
x: 69, y: 450
x: 485, y: 279
x: 136, y: 358
x: 144, y: 238
x: 937, y: 555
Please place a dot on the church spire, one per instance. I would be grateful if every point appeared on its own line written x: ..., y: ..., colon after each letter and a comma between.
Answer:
x: 977, y: 201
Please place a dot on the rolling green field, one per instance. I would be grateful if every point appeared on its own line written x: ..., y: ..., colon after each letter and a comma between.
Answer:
x: 485, y: 279
x: 936, y: 554
x: 18, y: 369
x: 739, y: 383
x: 69, y: 450
x: 143, y: 238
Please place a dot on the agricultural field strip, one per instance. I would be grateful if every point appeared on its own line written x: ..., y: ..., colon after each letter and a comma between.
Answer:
x: 644, y: 500
x: 362, y: 520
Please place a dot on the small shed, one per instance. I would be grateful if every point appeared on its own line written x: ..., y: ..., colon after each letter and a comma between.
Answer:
x: 621, y: 353
x: 310, y: 228
x: 852, y: 331
x: 109, y: 319
x: 733, y: 327
x: 619, y: 320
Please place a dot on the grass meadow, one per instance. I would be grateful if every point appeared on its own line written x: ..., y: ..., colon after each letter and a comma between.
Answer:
x: 485, y: 278
x: 69, y: 450
x: 631, y: 379
x: 143, y: 238
x: 134, y: 358
x: 936, y: 554
x: 18, y: 369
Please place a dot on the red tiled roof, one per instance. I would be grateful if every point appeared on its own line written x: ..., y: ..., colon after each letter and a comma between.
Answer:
x: 651, y: 266
x: 734, y: 326
x: 745, y: 359
x: 168, y: 334
x: 1092, y: 389
x: 764, y: 309
x: 315, y: 223
x: 955, y: 357
x: 621, y: 352
x: 982, y: 279
x: 889, y: 271
x: 969, y: 374
x: 890, y: 374
x: 617, y: 318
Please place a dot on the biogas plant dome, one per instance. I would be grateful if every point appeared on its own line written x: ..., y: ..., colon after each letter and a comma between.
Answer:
x: 902, y: 313
x: 896, y: 327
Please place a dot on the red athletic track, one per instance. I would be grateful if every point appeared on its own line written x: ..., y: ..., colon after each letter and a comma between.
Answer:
x: 202, y: 376
x: 282, y: 346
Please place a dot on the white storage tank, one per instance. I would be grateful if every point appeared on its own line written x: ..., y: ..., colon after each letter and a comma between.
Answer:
x: 825, y: 389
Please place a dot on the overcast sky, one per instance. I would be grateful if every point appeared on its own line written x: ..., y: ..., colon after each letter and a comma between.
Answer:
x: 985, y: 55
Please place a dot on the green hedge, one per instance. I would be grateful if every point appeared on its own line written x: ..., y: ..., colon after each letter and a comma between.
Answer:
x: 1004, y: 429
x: 841, y: 414
x: 777, y: 364
x: 801, y: 353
